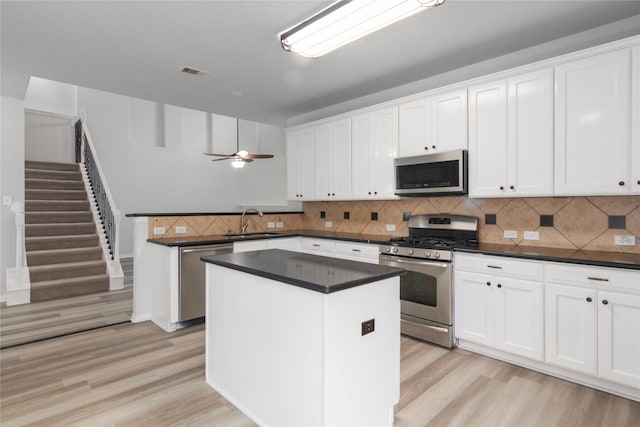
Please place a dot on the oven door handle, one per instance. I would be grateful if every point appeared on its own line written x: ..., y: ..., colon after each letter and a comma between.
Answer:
x: 424, y: 263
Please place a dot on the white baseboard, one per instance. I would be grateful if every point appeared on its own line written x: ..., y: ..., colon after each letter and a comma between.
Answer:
x: 3, y: 297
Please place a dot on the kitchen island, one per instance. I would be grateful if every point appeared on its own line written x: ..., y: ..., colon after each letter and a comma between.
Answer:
x: 299, y: 339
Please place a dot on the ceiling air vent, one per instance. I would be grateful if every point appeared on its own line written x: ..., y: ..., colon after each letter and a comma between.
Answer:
x: 193, y: 71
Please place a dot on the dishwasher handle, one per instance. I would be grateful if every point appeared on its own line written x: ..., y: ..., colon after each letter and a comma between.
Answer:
x: 210, y: 248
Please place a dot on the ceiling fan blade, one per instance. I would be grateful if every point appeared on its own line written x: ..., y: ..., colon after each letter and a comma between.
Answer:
x: 258, y: 156
x: 219, y: 155
x: 222, y: 158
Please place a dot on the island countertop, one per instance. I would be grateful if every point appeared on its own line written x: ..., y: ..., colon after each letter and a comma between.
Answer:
x: 313, y: 272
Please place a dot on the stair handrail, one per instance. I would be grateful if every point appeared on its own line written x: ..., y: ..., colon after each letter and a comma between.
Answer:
x: 110, y: 216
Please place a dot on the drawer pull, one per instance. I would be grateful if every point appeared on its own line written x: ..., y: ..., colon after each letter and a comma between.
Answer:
x: 356, y: 250
x: 316, y: 245
x: 495, y: 266
x: 599, y: 279
x: 589, y: 299
x: 605, y: 302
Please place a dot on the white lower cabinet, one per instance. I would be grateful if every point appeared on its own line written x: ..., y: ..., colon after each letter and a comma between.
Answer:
x: 592, y: 320
x: 581, y: 323
x: 500, y: 312
x: 571, y: 327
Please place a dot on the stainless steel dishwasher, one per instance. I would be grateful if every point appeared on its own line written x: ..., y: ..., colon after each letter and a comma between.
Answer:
x: 191, y: 288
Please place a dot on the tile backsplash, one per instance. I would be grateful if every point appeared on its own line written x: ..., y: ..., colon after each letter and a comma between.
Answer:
x: 588, y: 223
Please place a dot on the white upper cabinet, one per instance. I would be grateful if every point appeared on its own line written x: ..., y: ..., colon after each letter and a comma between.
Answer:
x: 511, y: 136
x: 300, y: 164
x: 432, y: 124
x: 333, y: 160
x: 374, y: 146
x: 635, y: 120
x: 593, y: 125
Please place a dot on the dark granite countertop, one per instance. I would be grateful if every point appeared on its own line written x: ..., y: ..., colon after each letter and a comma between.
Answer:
x: 223, y: 238
x: 573, y: 256
x: 134, y: 215
x: 313, y: 272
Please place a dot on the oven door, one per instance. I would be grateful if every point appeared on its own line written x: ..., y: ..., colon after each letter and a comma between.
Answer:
x: 425, y: 290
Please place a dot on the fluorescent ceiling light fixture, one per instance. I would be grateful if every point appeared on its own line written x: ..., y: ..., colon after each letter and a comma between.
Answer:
x: 345, y: 21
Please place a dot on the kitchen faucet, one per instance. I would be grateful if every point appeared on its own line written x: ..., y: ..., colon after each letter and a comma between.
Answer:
x: 244, y: 224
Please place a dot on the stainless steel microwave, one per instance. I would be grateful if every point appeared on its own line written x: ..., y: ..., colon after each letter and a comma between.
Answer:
x: 432, y: 174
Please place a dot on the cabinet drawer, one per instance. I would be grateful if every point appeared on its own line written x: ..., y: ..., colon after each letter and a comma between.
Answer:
x: 592, y: 276
x: 320, y: 245
x: 500, y: 266
x: 359, y: 250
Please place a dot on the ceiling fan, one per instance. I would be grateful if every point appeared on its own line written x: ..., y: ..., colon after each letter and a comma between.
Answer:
x: 240, y: 157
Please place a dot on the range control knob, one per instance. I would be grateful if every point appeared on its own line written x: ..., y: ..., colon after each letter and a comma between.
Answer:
x: 437, y: 254
x: 387, y: 249
x: 395, y: 250
x: 427, y: 254
x: 410, y: 251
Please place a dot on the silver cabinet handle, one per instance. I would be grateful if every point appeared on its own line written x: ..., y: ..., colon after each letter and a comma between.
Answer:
x: 356, y: 250
x: 599, y: 279
x: 495, y: 266
x: 316, y: 245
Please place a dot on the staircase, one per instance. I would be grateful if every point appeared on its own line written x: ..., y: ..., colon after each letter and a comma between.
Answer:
x: 63, y: 249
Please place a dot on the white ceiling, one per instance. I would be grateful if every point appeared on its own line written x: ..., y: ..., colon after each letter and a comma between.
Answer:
x: 134, y: 48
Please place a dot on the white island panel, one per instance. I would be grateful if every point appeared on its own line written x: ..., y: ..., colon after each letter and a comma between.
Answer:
x: 290, y: 356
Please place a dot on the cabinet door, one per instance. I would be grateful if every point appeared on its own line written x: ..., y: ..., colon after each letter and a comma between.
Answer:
x: 293, y: 165
x: 300, y: 164
x: 323, y: 167
x: 341, y: 159
x: 619, y: 338
x: 530, y: 134
x: 307, y: 164
x: 570, y: 327
x: 635, y: 120
x: 362, y: 162
x: 447, y: 127
x: 519, y: 314
x: 333, y: 160
x: 592, y: 125
x: 488, y: 140
x: 473, y: 312
x: 413, y: 117
x: 385, y: 149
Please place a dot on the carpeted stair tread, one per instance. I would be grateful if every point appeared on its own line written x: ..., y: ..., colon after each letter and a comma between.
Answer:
x: 59, y: 229
x: 33, y: 164
x: 57, y: 217
x: 57, y: 205
x: 62, y: 256
x: 40, y: 273
x: 51, y: 184
x: 61, y: 242
x: 60, y: 288
x: 55, y: 195
x: 53, y: 175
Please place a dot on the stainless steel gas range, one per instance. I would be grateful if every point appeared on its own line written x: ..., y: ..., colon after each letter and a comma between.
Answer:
x: 426, y: 291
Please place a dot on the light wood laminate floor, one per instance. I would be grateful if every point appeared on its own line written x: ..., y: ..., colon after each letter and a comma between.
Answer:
x: 45, y: 319
x: 138, y: 375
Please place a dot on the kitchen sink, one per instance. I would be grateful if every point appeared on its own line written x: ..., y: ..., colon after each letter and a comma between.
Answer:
x: 252, y: 235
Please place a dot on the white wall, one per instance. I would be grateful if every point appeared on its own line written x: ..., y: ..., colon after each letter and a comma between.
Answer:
x: 167, y: 172
x: 11, y: 178
x: 53, y: 97
x: 49, y: 138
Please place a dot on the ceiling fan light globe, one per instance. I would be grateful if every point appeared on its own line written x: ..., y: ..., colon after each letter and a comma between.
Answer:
x: 238, y: 163
x: 242, y: 153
